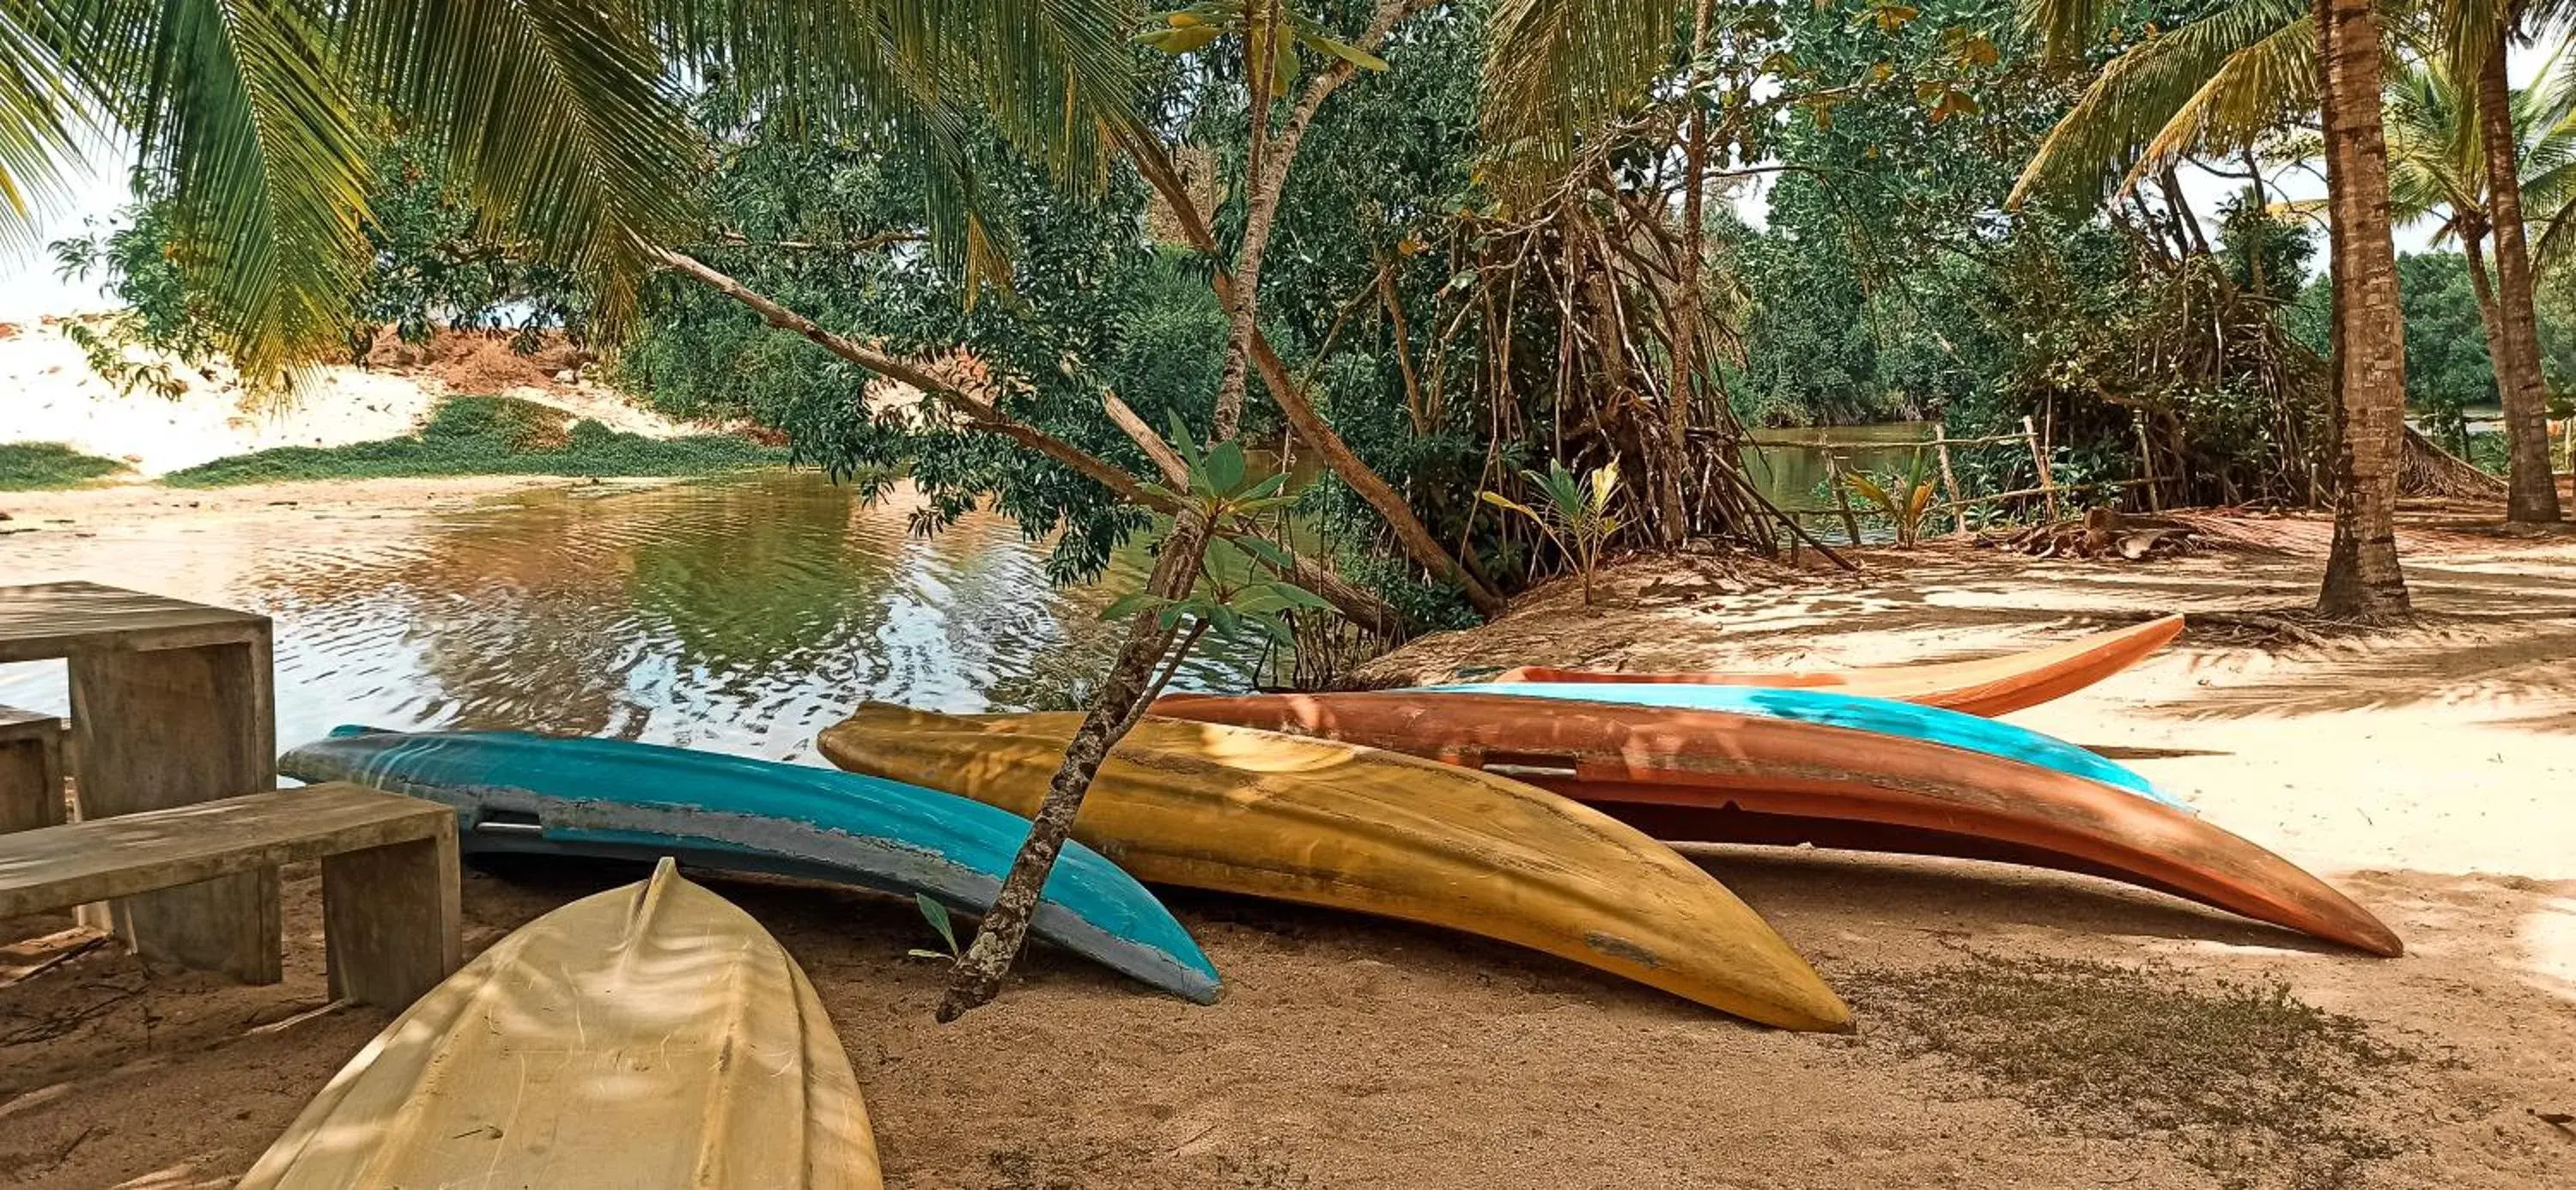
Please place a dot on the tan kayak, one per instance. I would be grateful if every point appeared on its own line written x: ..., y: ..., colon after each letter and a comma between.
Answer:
x: 652, y: 1035
x: 1270, y: 815
x: 1992, y: 686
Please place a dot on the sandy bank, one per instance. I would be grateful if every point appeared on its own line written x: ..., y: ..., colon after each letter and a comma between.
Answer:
x: 55, y: 396
x: 2426, y: 771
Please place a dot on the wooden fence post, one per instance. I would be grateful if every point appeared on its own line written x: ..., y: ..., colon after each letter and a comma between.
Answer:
x: 1949, y: 481
x: 2147, y: 464
x: 2039, y: 459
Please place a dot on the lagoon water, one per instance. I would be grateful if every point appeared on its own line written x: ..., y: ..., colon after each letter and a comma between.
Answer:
x: 1790, y: 467
x: 741, y: 614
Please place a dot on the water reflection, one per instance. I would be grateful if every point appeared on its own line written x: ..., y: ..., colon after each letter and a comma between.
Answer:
x: 740, y: 615
x: 1790, y: 465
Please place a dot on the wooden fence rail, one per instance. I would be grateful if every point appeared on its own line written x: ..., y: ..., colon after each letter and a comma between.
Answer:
x: 2048, y: 489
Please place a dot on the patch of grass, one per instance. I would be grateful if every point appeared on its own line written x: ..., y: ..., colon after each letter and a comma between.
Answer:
x: 45, y: 466
x: 491, y: 436
x: 2252, y: 1083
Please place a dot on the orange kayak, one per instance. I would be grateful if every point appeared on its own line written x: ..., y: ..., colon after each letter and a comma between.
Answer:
x: 1721, y: 777
x: 1989, y: 687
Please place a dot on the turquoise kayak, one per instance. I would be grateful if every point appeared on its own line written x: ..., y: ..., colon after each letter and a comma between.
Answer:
x: 1886, y: 717
x: 515, y: 792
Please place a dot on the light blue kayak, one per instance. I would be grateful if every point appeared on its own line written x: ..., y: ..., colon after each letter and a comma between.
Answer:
x: 1910, y: 720
x: 515, y: 792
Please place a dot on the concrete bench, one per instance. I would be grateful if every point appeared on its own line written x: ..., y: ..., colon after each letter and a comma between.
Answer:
x: 31, y: 770
x: 389, y: 872
x: 172, y: 703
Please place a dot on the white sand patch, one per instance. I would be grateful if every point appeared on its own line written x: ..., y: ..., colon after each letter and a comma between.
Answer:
x: 49, y: 393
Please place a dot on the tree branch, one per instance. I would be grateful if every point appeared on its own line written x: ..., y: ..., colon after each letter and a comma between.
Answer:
x: 1360, y: 606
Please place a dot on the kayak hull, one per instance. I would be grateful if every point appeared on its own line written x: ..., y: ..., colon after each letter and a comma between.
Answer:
x: 516, y: 793
x: 1707, y: 776
x: 1269, y: 815
x: 651, y: 1035
x: 1991, y: 686
x: 1877, y: 716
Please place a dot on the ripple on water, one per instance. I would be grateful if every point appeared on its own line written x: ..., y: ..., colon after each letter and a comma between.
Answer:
x: 740, y: 615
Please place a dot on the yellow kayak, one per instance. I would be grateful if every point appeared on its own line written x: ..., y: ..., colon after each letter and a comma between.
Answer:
x: 1263, y: 814
x: 652, y: 1035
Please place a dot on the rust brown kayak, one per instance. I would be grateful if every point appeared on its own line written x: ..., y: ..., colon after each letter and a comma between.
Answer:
x: 1991, y: 686
x: 1719, y: 777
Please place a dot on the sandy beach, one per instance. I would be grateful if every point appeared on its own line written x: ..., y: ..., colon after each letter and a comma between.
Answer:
x: 2016, y: 1028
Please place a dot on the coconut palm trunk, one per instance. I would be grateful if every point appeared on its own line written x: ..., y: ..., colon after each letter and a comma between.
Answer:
x: 2490, y: 322
x: 2533, y: 491
x: 2363, y: 579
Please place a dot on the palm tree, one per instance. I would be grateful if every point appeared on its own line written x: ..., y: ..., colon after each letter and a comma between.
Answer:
x: 2218, y: 83
x: 2437, y: 165
x: 2477, y: 33
x: 563, y: 118
x: 564, y: 121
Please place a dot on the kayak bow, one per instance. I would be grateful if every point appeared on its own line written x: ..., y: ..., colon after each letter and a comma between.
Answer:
x: 651, y: 1035
x: 515, y: 792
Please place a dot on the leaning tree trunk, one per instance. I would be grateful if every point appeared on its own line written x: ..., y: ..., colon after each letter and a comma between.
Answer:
x: 2534, y: 491
x: 1118, y: 703
x: 2363, y: 580
x: 1005, y: 927
x: 2473, y: 241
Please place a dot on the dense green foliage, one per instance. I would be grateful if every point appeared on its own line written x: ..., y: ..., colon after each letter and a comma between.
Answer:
x: 2447, y: 369
x: 435, y: 265
x: 832, y: 230
x: 42, y: 466
x: 1463, y: 312
x: 491, y: 436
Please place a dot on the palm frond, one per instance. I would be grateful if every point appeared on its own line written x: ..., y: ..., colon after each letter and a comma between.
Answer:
x: 2182, y: 88
x: 561, y: 116
x: 2064, y: 27
x: 245, y: 127
x: 1556, y: 66
x: 41, y: 124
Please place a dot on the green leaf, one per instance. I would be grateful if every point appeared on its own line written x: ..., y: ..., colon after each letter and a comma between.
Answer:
x: 1130, y: 604
x: 1224, y: 467
x: 937, y: 915
x: 1348, y: 53
x: 1299, y: 597
x: 1183, y: 41
x: 1277, y: 558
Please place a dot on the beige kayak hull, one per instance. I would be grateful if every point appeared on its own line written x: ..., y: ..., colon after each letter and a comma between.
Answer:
x: 1991, y: 686
x: 650, y: 1036
x: 1268, y: 815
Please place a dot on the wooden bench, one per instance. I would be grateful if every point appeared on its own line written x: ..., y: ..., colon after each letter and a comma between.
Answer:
x: 31, y: 770
x: 389, y: 874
